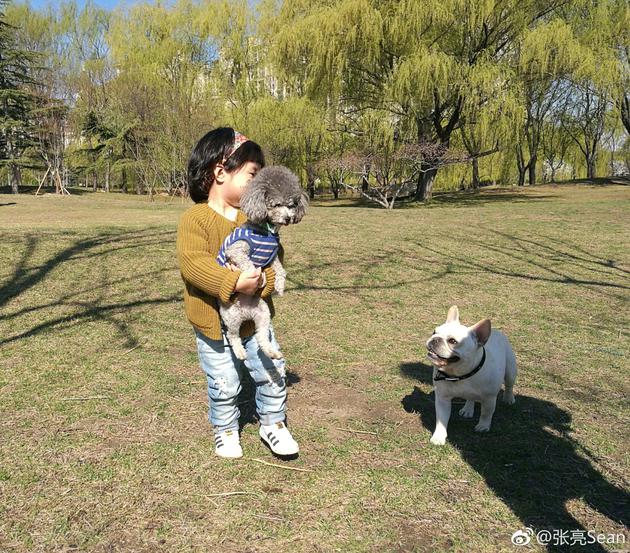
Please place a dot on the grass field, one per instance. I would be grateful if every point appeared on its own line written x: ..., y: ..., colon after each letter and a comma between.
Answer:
x: 105, y: 445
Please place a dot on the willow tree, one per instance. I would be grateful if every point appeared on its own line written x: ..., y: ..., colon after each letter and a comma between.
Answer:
x: 238, y: 72
x: 82, y: 70
x: 596, y: 80
x: 492, y: 123
x: 584, y: 122
x: 332, y: 167
x: 547, y: 55
x: 554, y: 142
x: 293, y: 132
x: 161, y: 98
x: 612, y: 31
x: 415, y: 62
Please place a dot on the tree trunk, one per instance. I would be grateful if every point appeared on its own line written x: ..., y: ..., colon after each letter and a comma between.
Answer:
x: 424, y: 188
x: 16, y: 178
x: 625, y: 112
x: 591, y: 167
x: 612, y: 161
x: 107, y: 177
x: 310, y: 178
x: 532, y: 170
x: 475, y: 173
x: 365, y: 179
x: 123, y: 186
x: 522, y: 168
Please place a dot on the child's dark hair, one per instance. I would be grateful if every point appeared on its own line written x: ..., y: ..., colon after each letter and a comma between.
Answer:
x: 209, y: 152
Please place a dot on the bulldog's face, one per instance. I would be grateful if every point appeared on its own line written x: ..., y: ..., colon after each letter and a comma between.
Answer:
x: 454, y: 344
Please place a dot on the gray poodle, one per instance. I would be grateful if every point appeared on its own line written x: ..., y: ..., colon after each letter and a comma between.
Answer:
x: 272, y: 199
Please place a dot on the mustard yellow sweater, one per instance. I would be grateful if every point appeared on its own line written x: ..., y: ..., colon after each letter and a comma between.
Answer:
x: 200, y: 234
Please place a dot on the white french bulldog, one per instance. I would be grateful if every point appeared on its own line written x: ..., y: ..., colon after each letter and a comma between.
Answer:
x: 470, y: 363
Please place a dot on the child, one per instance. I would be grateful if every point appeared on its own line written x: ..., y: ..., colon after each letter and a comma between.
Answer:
x: 220, y: 167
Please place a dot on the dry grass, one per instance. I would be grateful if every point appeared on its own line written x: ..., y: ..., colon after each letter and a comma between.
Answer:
x: 90, y: 307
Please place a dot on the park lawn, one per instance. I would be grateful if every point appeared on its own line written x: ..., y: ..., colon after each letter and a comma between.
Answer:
x: 105, y: 444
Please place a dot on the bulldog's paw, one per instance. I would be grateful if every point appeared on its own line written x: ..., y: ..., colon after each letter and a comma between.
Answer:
x: 508, y: 398
x: 482, y: 427
x: 438, y: 439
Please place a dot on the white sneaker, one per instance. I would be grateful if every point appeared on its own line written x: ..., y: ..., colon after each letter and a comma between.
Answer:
x: 228, y: 445
x: 279, y: 439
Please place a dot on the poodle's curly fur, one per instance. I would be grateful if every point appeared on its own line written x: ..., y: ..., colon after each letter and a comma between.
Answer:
x: 273, y: 197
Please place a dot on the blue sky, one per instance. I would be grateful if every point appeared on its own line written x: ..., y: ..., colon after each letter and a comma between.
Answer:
x: 102, y: 3
x: 109, y: 4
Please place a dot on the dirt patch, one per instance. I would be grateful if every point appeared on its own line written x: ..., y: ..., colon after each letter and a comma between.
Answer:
x: 418, y: 537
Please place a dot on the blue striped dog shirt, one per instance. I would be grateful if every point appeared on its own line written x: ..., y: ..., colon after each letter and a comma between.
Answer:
x: 263, y: 245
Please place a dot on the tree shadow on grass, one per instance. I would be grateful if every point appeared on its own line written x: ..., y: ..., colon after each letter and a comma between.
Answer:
x: 25, y: 276
x: 542, y: 259
x: 463, y: 198
x: 31, y: 189
x: 95, y: 310
x: 478, y: 198
x: 599, y: 181
x: 529, y: 460
x: 519, y: 258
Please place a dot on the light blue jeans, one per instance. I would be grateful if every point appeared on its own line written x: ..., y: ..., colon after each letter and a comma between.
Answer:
x: 223, y: 369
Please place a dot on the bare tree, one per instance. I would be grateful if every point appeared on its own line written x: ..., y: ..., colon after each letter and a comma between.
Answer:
x: 50, y: 142
x: 396, y: 171
x: 335, y: 170
x: 584, y: 121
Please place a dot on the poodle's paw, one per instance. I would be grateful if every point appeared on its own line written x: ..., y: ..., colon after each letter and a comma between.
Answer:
x: 438, y: 439
x: 467, y: 411
x: 240, y: 352
x: 482, y: 427
x: 272, y: 353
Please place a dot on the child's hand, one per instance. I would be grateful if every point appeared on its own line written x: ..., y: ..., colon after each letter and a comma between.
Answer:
x: 248, y: 282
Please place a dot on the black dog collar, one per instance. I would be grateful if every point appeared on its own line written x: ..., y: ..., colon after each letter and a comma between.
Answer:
x: 441, y: 375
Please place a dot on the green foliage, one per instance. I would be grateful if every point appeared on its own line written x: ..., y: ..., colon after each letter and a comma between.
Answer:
x: 17, y: 102
x: 314, y: 80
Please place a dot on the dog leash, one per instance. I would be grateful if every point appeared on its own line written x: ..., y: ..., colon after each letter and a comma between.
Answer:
x: 445, y: 376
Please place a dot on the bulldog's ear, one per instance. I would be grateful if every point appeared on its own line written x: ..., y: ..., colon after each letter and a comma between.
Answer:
x: 482, y: 331
x: 453, y: 315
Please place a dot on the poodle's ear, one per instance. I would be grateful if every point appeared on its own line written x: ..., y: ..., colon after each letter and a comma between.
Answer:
x: 300, y: 209
x: 253, y: 201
